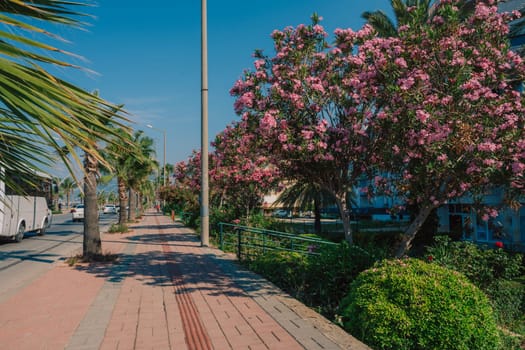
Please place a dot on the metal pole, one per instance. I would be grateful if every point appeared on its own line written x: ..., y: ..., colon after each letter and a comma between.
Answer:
x: 204, y: 128
x: 164, y: 163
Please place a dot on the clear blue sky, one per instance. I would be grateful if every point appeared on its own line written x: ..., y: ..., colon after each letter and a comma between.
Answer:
x: 147, y: 56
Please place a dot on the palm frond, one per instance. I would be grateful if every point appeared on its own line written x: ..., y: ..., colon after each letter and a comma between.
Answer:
x: 381, y: 23
x: 39, y: 102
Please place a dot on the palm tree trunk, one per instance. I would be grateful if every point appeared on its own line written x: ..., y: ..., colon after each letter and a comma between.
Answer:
x: 132, y: 205
x: 92, y: 245
x: 139, y: 204
x: 123, y: 201
x: 412, y: 230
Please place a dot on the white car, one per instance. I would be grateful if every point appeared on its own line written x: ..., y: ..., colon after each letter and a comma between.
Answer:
x: 281, y: 213
x: 77, y: 213
x: 110, y: 209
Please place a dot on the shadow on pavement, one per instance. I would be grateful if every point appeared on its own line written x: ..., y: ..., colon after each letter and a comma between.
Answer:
x: 185, y: 271
x: 28, y: 255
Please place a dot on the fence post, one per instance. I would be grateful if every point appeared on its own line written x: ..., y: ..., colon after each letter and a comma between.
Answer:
x: 221, y: 241
x: 239, y: 244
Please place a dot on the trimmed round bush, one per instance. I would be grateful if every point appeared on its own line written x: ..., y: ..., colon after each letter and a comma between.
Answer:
x: 411, y: 304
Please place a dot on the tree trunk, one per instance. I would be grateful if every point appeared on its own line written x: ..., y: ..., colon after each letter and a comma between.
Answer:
x: 132, y: 216
x: 123, y: 215
x: 345, y: 217
x: 412, y: 230
x: 140, y: 207
x: 92, y: 244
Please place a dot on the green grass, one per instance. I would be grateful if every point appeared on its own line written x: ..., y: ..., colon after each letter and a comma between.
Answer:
x: 118, y: 228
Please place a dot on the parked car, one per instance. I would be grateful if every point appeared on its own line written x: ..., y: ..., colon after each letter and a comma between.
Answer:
x: 110, y: 209
x: 77, y: 213
x: 281, y: 213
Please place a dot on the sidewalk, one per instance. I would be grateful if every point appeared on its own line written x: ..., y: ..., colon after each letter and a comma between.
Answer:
x: 166, y: 292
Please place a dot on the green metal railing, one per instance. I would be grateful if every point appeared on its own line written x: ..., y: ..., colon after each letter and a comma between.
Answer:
x: 248, y: 242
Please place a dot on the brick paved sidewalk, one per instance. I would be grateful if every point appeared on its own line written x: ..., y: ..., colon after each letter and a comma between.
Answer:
x: 167, y: 292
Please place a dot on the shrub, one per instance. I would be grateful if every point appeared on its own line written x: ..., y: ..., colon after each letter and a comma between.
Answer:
x: 118, y: 228
x: 508, y: 300
x: 481, y: 265
x: 492, y: 270
x: 330, y: 273
x: 287, y: 270
x: 380, y: 244
x: 320, y: 281
x: 410, y: 304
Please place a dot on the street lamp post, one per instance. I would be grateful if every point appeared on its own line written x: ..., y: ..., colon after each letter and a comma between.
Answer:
x: 204, y: 128
x: 164, y: 155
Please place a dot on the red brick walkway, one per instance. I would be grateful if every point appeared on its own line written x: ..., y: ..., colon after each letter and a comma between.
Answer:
x: 167, y: 292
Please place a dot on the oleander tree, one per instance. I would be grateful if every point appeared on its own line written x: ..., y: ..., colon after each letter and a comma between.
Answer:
x: 186, y: 190
x: 436, y: 109
x: 240, y: 176
x: 308, y: 109
x: 452, y: 120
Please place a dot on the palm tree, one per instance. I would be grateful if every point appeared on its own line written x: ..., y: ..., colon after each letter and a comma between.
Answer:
x: 130, y: 168
x: 169, y: 172
x: 306, y: 196
x: 147, y: 191
x: 112, y: 197
x: 67, y: 185
x: 140, y: 168
x: 408, y: 12
x: 102, y: 198
x: 36, y: 106
x: 115, y: 153
x: 92, y: 245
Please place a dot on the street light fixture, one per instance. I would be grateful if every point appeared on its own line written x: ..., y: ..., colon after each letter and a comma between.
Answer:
x: 164, y: 162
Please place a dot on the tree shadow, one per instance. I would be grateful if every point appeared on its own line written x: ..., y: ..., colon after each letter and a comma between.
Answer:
x: 28, y: 255
x: 208, y: 271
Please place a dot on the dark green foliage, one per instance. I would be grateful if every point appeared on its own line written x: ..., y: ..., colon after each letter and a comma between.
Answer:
x: 380, y: 244
x: 481, y: 265
x: 319, y: 281
x: 287, y: 270
x: 508, y: 300
x: 410, y: 304
x: 494, y: 271
x: 221, y: 215
x: 330, y: 274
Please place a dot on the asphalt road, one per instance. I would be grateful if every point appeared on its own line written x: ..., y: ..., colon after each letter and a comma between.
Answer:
x: 21, y: 263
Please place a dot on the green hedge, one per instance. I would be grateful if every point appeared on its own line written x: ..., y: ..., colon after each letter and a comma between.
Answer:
x: 410, y: 304
x: 320, y: 281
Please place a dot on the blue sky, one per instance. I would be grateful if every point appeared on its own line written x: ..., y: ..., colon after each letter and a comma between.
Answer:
x: 147, y: 56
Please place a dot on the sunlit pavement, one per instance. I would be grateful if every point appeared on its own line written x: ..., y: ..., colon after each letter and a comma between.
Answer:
x: 165, y: 292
